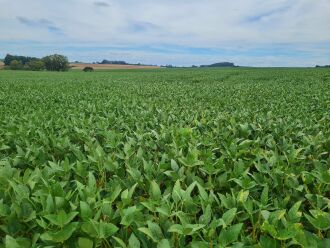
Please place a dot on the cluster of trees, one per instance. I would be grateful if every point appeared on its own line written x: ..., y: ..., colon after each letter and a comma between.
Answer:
x: 118, y: 62
x: 322, y: 66
x: 221, y: 64
x: 54, y: 62
x: 24, y: 60
x: 112, y: 62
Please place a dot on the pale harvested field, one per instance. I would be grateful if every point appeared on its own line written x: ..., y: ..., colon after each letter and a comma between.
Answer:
x: 1, y: 64
x: 109, y: 67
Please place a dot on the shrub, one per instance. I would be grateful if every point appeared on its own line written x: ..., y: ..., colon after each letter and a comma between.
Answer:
x: 88, y: 69
x: 36, y: 65
x: 15, y: 65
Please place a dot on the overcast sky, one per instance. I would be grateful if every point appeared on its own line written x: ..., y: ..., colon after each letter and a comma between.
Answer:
x: 180, y: 32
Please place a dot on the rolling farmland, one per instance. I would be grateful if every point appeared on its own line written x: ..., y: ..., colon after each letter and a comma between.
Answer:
x: 165, y: 158
x: 80, y: 66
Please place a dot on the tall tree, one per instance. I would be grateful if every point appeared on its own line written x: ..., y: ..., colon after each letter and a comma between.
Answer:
x: 56, y: 62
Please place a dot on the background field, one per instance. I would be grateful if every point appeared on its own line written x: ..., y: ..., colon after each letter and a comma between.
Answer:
x: 182, y: 157
x: 81, y: 66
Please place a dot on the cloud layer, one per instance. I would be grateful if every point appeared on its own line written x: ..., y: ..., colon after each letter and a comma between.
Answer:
x: 251, y: 32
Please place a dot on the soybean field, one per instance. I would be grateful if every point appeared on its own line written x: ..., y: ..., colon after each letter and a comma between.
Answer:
x: 165, y: 158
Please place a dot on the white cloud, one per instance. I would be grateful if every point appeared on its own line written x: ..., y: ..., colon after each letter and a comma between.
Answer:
x: 226, y: 24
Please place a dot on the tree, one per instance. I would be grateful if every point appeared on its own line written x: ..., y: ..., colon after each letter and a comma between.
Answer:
x: 15, y: 65
x: 56, y: 62
x: 36, y: 65
x: 9, y: 58
x: 88, y: 69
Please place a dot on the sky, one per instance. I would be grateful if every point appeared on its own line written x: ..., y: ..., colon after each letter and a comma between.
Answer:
x: 178, y: 32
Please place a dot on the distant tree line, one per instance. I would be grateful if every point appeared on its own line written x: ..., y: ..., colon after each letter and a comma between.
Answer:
x: 112, y: 62
x: 322, y: 66
x: 221, y: 64
x: 24, y: 60
x: 118, y: 62
x: 53, y: 62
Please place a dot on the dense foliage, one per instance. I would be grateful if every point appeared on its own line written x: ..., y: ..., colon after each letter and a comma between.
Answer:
x: 88, y: 69
x: 113, y: 62
x: 221, y: 64
x: 165, y: 158
x: 53, y: 62
x: 15, y: 65
x: 56, y: 62
x: 36, y: 65
x: 322, y: 66
x: 22, y: 59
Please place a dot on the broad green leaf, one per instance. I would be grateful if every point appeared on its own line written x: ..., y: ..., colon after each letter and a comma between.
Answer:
x: 176, y: 228
x: 289, y: 232
x: 243, y: 195
x: 176, y: 192
x: 320, y: 221
x: 129, y: 215
x: 86, y: 212
x: 268, y: 242
x: 101, y: 230
x: 200, y: 244
x: 229, y: 216
x: 50, y: 206
x: 325, y: 243
x: 11, y: 242
x: 153, y: 231
x: 164, y: 210
x: 133, y: 242
x: 155, y: 190
x: 4, y: 209
x: 120, y: 242
x: 174, y: 165
x: 115, y: 193
x: 277, y: 215
x: 62, y: 218
x: 268, y: 228
x: 85, y: 243
x: 62, y: 235
x: 206, y: 217
x: 164, y: 243
x: 190, y: 229
x: 91, y: 181
x: 229, y: 235
x: 293, y: 213
x: 107, y: 229
x: 147, y: 232
x: 202, y: 192
x: 264, y: 196
x: 306, y: 239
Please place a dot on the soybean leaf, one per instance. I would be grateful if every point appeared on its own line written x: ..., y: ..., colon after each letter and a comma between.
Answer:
x: 229, y: 235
